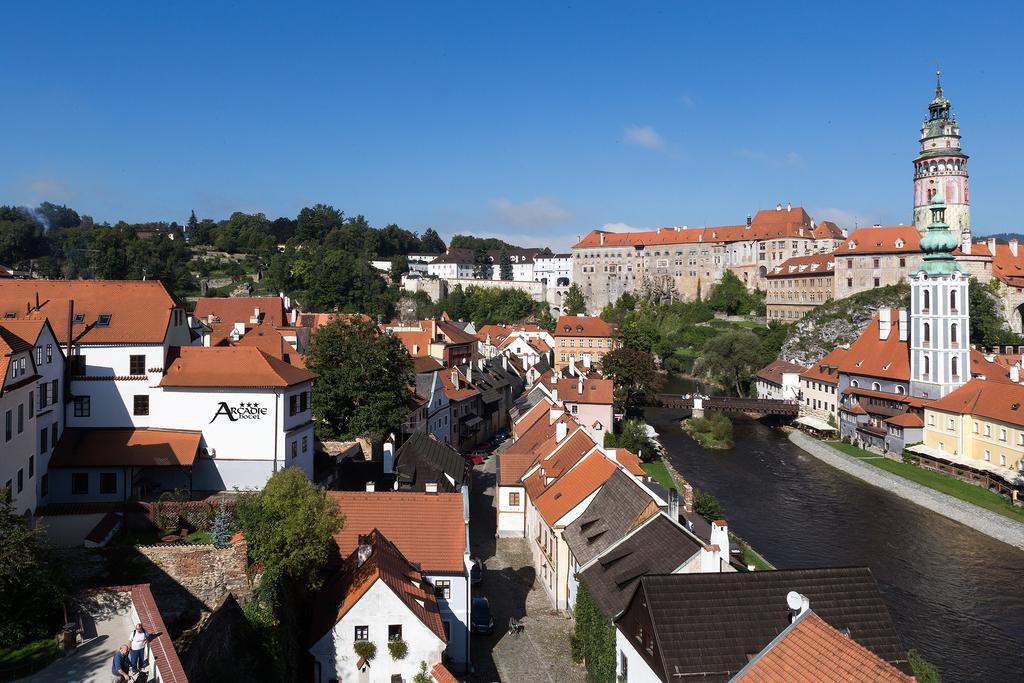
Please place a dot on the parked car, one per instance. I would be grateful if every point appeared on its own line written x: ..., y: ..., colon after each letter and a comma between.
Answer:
x: 474, y: 458
x: 476, y: 572
x: 480, y: 619
x: 501, y: 435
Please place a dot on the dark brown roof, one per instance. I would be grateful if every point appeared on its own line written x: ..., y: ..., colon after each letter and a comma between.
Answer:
x: 657, y: 546
x: 710, y: 625
x: 423, y: 459
x: 618, y: 508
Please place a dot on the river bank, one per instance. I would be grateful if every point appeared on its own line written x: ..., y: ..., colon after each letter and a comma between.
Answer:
x: 984, y: 521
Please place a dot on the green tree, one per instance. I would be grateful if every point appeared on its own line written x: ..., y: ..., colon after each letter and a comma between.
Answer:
x: 32, y: 588
x: 21, y: 238
x: 593, y: 640
x: 399, y: 267
x: 729, y: 359
x: 473, y: 242
x: 423, y: 676
x: 632, y: 436
x: 455, y: 303
x: 707, y: 506
x: 505, y: 269
x: 289, y: 526
x: 635, y: 375
x: 315, y: 222
x: 924, y: 671
x: 987, y: 324
x: 192, y: 228
x: 363, y: 388
x: 431, y: 242
x: 483, y: 269
x: 730, y: 296
x: 573, y: 302
x: 222, y: 527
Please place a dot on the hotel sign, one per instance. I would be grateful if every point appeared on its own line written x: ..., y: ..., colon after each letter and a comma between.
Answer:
x: 243, y: 411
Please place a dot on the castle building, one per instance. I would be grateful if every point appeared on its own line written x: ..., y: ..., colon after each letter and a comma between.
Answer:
x: 941, y: 168
x: 939, y: 313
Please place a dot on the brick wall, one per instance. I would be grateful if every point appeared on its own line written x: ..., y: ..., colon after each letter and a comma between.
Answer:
x: 206, y: 573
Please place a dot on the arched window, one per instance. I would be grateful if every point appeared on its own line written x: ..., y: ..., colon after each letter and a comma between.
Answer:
x: 952, y: 300
x: 927, y: 365
x: 875, y: 386
x: 954, y: 366
x: 854, y: 383
x: 900, y: 390
x: 926, y: 333
x: 952, y: 334
x: 927, y: 302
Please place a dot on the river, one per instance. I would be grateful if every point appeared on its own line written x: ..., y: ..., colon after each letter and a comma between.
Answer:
x: 956, y: 595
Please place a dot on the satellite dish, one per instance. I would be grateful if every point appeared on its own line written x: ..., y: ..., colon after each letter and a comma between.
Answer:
x: 794, y: 600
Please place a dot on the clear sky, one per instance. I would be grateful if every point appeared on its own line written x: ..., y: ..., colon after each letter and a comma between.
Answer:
x: 534, y: 122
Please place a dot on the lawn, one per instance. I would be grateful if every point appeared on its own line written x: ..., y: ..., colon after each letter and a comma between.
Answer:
x: 938, y: 481
x: 27, y: 655
x: 657, y: 471
x: 752, y: 557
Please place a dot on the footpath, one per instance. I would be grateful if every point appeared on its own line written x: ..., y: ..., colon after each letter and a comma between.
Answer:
x: 985, y: 521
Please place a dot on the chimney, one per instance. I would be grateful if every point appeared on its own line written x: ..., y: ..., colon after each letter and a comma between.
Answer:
x: 504, y: 361
x: 255, y: 315
x: 389, y: 455
x: 673, y: 504
x: 364, y: 550
x: 295, y: 316
x: 469, y: 372
x: 687, y: 498
x: 238, y: 330
x: 1015, y: 373
x: 602, y: 239
x: 965, y: 243
x: 1013, y: 249
x: 992, y: 245
x: 789, y: 207
x: 749, y: 219
x: 884, y: 322
x: 579, y: 386
x: 554, y: 394
x: 778, y: 206
x: 430, y: 487
x: 904, y: 324
x: 560, y: 431
x: 720, y: 537
x: 415, y: 349
x: 371, y: 487
x: 455, y: 378
x: 798, y: 604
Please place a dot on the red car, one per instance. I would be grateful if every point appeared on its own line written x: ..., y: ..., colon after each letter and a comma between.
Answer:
x: 474, y: 458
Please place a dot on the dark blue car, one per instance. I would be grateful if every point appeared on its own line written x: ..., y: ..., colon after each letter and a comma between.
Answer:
x: 480, y: 618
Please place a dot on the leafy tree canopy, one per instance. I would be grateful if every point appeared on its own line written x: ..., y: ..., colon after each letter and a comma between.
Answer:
x: 473, y: 243
x: 431, y: 242
x: 573, y: 302
x: 635, y: 374
x: 730, y: 359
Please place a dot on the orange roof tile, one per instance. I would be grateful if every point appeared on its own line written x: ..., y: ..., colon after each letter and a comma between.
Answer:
x: 1002, y: 401
x: 427, y: 528
x: 1006, y: 266
x: 442, y: 675
x: 773, y: 371
x: 827, y: 369
x: 595, y: 390
x: 630, y: 461
x: 553, y: 463
x: 800, y: 266
x: 269, y: 340
x: 530, y: 418
x: 811, y: 651
x: 126, y: 447
x: 463, y: 391
x: 583, y: 326
x: 910, y: 420
x: 385, y: 563
x: 416, y: 342
x: 140, y: 310
x: 241, y: 309
x: 573, y: 487
x: 897, y: 239
x: 874, y: 357
x: 232, y: 366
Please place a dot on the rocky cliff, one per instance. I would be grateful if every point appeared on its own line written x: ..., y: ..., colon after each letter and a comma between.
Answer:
x: 838, y: 322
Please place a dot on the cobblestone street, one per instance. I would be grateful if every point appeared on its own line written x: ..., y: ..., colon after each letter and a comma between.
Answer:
x: 541, y: 652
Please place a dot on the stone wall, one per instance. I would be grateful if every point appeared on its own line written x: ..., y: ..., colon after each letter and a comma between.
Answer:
x: 206, y: 573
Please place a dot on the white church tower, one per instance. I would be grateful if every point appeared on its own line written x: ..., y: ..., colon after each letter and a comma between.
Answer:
x: 940, y: 322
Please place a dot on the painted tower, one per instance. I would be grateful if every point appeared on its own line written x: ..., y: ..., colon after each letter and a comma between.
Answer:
x: 941, y: 168
x: 940, y: 321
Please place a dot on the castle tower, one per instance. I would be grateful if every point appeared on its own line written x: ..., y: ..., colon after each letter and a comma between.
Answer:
x: 939, y: 316
x: 941, y: 168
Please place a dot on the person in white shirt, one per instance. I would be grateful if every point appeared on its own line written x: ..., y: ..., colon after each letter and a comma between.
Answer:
x: 139, y: 639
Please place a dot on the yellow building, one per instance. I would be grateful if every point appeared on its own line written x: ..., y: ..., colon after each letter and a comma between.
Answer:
x: 584, y: 340
x: 981, y: 425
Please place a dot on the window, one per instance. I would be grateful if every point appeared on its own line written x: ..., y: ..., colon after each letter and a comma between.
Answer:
x: 49, y: 353
x: 952, y: 301
x: 926, y: 332
x: 295, y: 449
x: 927, y: 365
x: 443, y: 589
x: 82, y: 406
x: 394, y: 632
x: 988, y: 455
x: 639, y: 633
x: 54, y: 391
x: 953, y: 334
x: 362, y: 633
x: 39, y: 355
x: 79, y: 483
x: 31, y: 466
x: 8, y: 425
x: 108, y: 482
x: 1002, y: 460
x: 78, y: 365
x: 878, y: 282
x: 988, y: 430
x: 303, y: 401
x: 875, y: 386
x: 31, y: 404
x: 954, y: 365
x: 43, y: 445
x: 305, y: 444
x: 951, y: 424
x: 293, y: 404
x: 141, y: 404
x: 927, y: 300
x: 21, y: 480
x: 874, y: 263
x: 53, y: 434
x: 103, y: 320
x: 975, y: 428
x: 623, y: 667
x: 903, y: 263
x: 21, y: 417
x: 513, y: 498
x: 137, y: 365
x: 1002, y: 435
x: 44, y: 485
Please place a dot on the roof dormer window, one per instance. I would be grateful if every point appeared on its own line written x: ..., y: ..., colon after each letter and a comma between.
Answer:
x: 851, y: 245
x: 899, y: 243
x: 103, y: 320
x: 10, y: 314
x: 78, y: 319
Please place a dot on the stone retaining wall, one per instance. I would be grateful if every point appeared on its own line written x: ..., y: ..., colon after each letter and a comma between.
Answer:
x: 985, y: 521
x: 205, y: 572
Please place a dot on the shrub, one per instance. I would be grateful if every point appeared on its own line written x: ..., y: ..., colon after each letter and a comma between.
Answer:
x: 423, y: 676
x: 923, y: 670
x: 365, y: 649
x: 593, y: 641
x: 707, y: 506
x: 222, y: 527
x: 398, y: 648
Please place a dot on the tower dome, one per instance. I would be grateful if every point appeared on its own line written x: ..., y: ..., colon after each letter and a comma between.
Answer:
x: 939, y: 242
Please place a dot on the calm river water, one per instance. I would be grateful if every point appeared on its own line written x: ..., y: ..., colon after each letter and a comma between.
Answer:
x: 956, y: 595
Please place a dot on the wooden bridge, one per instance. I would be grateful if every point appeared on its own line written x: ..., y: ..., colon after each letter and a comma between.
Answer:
x: 725, y: 404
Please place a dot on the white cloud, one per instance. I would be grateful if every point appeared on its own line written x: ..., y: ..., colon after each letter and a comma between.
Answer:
x: 617, y: 227
x: 535, y: 213
x: 644, y: 136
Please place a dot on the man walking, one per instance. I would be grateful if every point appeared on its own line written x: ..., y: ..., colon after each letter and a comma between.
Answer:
x: 139, y: 639
x: 120, y: 667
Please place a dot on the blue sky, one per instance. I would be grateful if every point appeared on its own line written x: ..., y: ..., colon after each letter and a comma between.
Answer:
x: 534, y: 122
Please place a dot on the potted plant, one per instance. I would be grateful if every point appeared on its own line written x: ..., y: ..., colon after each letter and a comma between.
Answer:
x: 398, y: 648
x: 365, y: 649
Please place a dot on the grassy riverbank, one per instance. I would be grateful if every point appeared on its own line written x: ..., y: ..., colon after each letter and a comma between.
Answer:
x: 713, y: 432
x: 937, y: 481
x: 657, y: 471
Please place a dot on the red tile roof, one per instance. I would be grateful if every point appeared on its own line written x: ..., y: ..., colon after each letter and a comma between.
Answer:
x: 583, y: 326
x: 166, y: 657
x: 1002, y: 401
x: 897, y: 239
x: 269, y: 340
x: 241, y: 309
x: 442, y: 675
x: 573, y: 487
x: 799, y: 266
x: 140, y: 310
x: 385, y: 563
x: 874, y: 357
x: 1006, y: 266
x: 428, y: 528
x: 773, y: 371
x: 233, y: 366
x: 909, y: 420
x: 530, y: 418
x: 464, y: 390
x: 126, y: 447
x: 827, y: 369
x: 556, y: 462
x: 630, y: 461
x: 595, y: 390
x: 811, y: 651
